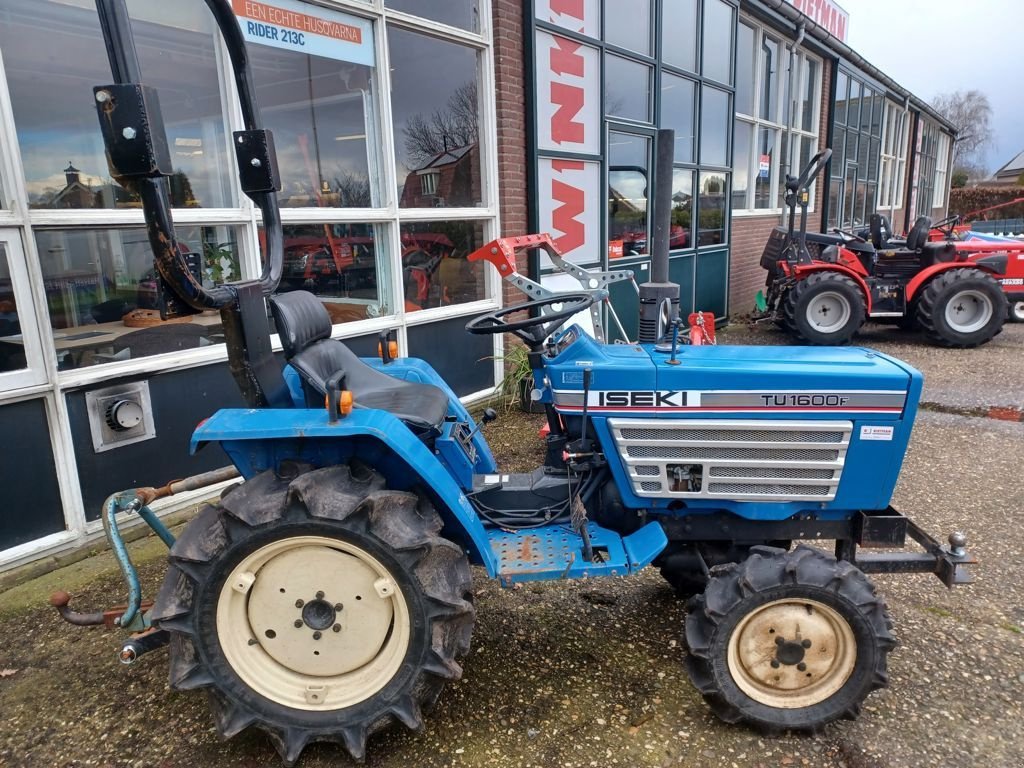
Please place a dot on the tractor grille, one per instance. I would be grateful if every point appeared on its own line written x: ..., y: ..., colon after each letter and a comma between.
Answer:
x: 743, y: 460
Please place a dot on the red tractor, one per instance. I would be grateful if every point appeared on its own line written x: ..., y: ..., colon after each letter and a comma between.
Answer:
x: 953, y: 294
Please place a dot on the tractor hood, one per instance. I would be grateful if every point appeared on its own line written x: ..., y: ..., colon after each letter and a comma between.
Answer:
x: 637, y: 379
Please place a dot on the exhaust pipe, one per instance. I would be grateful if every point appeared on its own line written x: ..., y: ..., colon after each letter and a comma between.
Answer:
x: 655, y: 292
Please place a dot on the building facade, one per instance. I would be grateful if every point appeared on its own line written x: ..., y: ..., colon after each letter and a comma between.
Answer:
x: 420, y: 131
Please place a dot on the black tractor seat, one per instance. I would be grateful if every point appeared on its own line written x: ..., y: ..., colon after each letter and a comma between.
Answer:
x: 918, y: 251
x: 305, y: 329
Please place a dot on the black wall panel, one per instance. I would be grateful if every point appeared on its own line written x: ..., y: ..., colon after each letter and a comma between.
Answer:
x: 464, y: 360
x: 31, y: 505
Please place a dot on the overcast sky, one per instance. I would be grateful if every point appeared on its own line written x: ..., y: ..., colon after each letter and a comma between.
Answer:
x: 937, y: 46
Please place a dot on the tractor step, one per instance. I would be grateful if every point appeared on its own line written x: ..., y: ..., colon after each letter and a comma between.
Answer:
x: 556, y: 552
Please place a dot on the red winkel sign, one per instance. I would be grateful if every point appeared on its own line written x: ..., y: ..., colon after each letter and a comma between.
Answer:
x: 825, y: 13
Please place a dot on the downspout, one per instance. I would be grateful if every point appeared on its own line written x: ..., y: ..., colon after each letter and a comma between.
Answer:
x: 787, y: 161
x: 911, y: 172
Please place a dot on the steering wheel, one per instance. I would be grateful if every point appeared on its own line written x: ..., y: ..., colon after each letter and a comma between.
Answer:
x: 848, y: 235
x: 945, y: 226
x: 533, y: 330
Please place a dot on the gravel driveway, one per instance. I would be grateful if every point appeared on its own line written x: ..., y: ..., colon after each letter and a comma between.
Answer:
x: 590, y: 673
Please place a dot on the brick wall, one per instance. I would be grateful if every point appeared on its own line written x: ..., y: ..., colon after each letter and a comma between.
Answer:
x: 749, y: 233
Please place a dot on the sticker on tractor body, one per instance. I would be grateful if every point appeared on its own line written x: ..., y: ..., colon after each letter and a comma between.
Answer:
x: 876, y: 433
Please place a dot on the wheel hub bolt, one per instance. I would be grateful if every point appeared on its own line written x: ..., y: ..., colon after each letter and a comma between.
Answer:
x: 299, y: 603
x: 802, y: 667
x: 317, y: 635
x: 336, y: 628
x: 338, y: 606
x: 298, y: 623
x: 320, y: 595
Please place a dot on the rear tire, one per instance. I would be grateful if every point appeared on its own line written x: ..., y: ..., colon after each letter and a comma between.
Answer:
x: 319, y: 607
x: 787, y: 640
x: 825, y: 308
x: 681, y: 568
x: 1017, y: 311
x: 961, y: 308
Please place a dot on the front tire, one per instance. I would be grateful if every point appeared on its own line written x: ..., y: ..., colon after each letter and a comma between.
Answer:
x: 825, y: 308
x: 1017, y: 311
x: 787, y: 640
x: 318, y: 607
x: 961, y: 308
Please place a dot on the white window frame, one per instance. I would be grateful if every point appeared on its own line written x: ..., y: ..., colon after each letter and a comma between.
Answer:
x: 792, y: 133
x: 941, y: 172
x: 895, y: 138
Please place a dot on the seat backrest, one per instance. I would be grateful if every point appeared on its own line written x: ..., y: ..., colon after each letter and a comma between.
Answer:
x: 305, y: 329
x: 881, y: 230
x: 919, y: 234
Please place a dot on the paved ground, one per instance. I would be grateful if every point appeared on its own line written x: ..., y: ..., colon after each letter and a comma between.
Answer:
x: 590, y: 674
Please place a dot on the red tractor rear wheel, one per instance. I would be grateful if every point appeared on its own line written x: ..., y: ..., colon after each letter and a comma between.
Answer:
x: 825, y: 308
x: 961, y: 308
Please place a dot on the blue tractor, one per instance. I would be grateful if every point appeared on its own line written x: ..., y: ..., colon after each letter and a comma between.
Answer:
x: 329, y: 596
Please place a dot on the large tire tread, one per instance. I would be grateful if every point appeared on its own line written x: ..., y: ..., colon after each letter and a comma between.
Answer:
x: 770, y: 568
x: 932, y: 301
x: 356, y: 501
x: 793, y: 308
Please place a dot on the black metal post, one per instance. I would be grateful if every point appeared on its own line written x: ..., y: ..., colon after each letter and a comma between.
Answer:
x: 653, y: 293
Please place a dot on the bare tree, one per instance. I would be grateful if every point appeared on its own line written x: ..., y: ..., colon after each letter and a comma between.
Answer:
x: 444, y: 129
x: 971, y: 115
x: 353, y: 189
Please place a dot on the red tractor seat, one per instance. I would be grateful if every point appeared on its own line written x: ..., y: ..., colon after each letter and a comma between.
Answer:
x: 305, y: 329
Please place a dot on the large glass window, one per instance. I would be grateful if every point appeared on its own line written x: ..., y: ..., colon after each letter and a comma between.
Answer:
x: 457, y: 13
x: 627, y: 88
x: 345, y: 265
x: 435, y: 106
x: 628, y: 24
x: 681, y: 233
x: 719, y: 21
x: 763, y: 118
x: 856, y: 151
x: 12, y: 345
x: 679, y: 33
x: 715, y: 118
x: 677, y: 112
x: 941, y: 168
x: 712, y: 209
x: 102, y: 297
x: 894, y: 157
x: 927, y: 156
x: 628, y: 180
x: 435, y: 268
x: 54, y: 57
x: 322, y: 114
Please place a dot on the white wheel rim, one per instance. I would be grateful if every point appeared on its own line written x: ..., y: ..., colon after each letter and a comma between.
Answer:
x: 792, y: 653
x: 313, y: 666
x: 828, y: 312
x: 1018, y: 311
x: 968, y: 311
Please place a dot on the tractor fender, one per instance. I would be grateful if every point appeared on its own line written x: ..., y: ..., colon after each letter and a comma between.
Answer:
x: 927, y: 274
x: 260, y: 439
x: 804, y: 270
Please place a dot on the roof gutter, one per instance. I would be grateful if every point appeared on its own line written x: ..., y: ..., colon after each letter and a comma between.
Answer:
x: 822, y: 35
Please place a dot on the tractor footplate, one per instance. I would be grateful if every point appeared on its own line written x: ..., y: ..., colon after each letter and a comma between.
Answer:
x: 556, y: 551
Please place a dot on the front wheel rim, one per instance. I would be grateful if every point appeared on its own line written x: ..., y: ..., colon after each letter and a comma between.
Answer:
x: 968, y: 311
x: 792, y: 653
x: 313, y: 623
x: 828, y: 312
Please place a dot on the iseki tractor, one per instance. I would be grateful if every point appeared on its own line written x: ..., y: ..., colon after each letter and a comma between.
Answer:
x: 822, y: 288
x: 329, y: 596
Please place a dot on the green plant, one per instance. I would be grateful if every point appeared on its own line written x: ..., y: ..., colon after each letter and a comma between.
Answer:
x: 517, y: 371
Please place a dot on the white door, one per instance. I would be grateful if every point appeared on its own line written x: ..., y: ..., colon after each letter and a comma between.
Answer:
x: 21, y: 363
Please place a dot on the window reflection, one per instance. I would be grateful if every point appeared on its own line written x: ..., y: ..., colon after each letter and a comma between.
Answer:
x: 54, y: 58
x: 628, y: 24
x: 102, y: 295
x: 457, y: 13
x: 321, y: 112
x: 343, y: 264
x: 435, y: 106
x: 628, y: 163
x: 741, y: 154
x: 435, y: 270
x: 677, y: 112
x: 715, y: 120
x: 627, y: 88
x: 711, y: 209
x: 679, y: 33
x: 745, y: 56
x: 12, y: 346
x: 767, y: 141
x: 718, y: 26
x: 680, y: 233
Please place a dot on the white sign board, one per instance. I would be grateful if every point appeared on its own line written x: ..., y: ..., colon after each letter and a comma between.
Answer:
x: 569, y: 208
x: 827, y: 14
x: 568, y: 95
x: 305, y: 28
